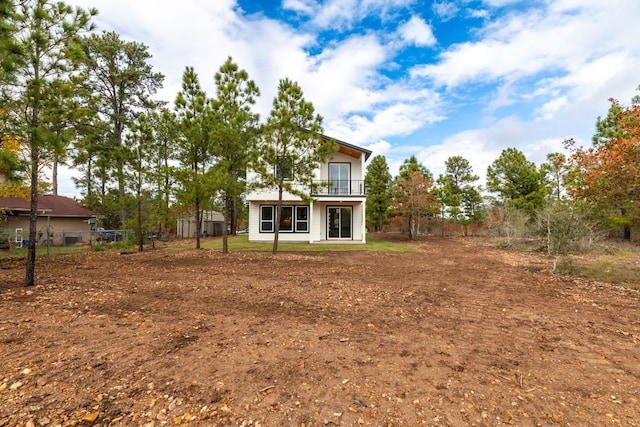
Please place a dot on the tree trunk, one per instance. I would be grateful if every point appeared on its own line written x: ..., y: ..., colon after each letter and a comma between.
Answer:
x: 140, y: 228
x: 30, y: 274
x: 225, y: 237
x: 54, y: 175
x: 276, y: 233
x: 121, y: 197
x: 120, y: 173
x: 234, y: 216
x: 198, y: 222
x: 140, y: 231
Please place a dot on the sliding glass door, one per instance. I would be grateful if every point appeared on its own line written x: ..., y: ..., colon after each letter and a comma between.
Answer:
x: 339, y: 221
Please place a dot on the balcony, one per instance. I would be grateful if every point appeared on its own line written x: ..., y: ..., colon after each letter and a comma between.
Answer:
x: 339, y: 188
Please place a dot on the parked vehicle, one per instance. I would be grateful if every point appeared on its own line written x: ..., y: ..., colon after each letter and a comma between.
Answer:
x: 102, y: 235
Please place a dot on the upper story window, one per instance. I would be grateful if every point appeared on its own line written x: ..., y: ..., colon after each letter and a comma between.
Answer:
x: 284, y: 168
x: 340, y: 178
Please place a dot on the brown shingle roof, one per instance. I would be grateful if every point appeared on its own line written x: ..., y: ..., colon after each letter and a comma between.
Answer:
x: 54, y: 206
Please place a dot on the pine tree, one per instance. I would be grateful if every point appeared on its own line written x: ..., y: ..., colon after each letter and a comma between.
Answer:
x: 414, y: 198
x: 119, y: 81
x: 234, y: 134
x: 291, y: 147
x: 378, y: 181
x: 194, y: 119
x: 454, y: 184
x: 516, y: 180
x: 48, y: 36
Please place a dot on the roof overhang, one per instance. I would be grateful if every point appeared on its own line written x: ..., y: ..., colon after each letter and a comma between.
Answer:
x: 349, y: 149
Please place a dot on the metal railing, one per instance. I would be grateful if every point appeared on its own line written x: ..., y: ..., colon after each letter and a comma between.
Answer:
x: 349, y: 187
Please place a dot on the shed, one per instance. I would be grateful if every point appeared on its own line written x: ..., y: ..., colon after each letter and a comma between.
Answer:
x: 212, y: 223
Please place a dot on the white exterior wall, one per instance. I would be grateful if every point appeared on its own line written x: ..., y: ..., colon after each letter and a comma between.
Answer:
x: 318, y: 222
x: 266, y: 194
x: 254, y: 226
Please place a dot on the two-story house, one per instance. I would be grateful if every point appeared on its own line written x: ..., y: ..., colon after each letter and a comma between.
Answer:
x: 336, y: 213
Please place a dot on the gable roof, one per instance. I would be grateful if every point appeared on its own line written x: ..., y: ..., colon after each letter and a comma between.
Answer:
x: 349, y: 149
x: 58, y: 206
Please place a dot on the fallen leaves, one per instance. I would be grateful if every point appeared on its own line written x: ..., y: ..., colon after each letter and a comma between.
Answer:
x: 349, y: 338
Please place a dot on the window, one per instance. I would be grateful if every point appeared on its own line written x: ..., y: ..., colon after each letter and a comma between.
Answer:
x: 293, y: 219
x: 266, y: 219
x: 302, y: 219
x: 286, y: 218
x: 339, y: 178
x: 284, y: 168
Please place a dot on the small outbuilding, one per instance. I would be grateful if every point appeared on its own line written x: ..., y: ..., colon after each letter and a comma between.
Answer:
x: 212, y: 223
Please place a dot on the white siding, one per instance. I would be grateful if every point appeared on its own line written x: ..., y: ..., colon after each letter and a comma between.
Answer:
x: 254, y: 226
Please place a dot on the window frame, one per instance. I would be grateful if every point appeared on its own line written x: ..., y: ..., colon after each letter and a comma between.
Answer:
x: 270, y: 221
x: 300, y: 221
x: 297, y: 223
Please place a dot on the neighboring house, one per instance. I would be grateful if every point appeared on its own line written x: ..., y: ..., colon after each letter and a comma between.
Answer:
x: 336, y: 213
x: 212, y: 223
x: 62, y: 219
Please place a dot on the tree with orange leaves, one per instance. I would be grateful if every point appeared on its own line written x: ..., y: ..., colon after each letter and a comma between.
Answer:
x: 608, y: 175
x: 414, y: 198
x: 12, y: 169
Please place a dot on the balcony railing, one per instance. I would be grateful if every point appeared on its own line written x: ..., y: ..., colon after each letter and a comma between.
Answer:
x: 339, y: 188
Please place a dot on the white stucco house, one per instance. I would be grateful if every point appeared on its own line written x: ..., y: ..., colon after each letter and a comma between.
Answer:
x: 336, y: 213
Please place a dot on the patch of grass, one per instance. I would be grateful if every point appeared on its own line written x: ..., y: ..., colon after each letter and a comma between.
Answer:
x: 621, y: 267
x: 59, y: 250
x: 241, y: 243
x: 610, y: 261
x: 40, y: 250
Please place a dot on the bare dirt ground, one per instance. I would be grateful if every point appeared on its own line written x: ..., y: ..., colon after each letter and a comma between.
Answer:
x: 457, y: 334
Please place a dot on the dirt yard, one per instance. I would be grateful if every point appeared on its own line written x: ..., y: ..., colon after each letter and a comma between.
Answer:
x: 456, y: 334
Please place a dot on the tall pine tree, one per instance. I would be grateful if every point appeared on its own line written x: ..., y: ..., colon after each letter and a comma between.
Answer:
x: 291, y: 147
x: 194, y: 119
x: 120, y: 81
x: 234, y: 135
x: 48, y: 35
x: 378, y: 181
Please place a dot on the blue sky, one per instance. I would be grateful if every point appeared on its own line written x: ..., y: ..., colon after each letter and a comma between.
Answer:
x: 406, y: 77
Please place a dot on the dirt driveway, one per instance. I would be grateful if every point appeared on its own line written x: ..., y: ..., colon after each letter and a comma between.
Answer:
x: 456, y: 334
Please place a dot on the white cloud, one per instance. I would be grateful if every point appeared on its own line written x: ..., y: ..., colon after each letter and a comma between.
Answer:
x: 538, y: 41
x: 478, y: 13
x: 344, y: 14
x: 379, y: 148
x: 305, y: 7
x: 552, y: 108
x: 416, y: 31
x: 445, y: 10
x: 482, y: 146
x: 500, y: 3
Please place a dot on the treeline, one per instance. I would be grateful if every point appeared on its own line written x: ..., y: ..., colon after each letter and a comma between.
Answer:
x: 568, y: 202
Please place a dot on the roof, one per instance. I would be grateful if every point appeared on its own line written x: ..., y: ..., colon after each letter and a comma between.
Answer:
x: 58, y: 206
x: 349, y: 148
